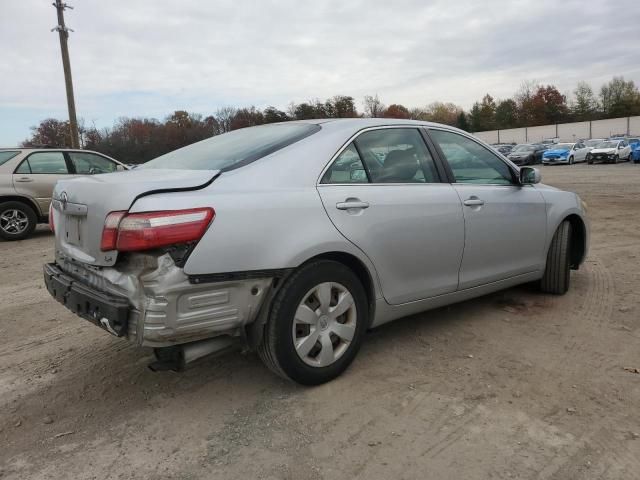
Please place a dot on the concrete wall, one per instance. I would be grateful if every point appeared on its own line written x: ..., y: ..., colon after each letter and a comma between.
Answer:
x: 567, y: 132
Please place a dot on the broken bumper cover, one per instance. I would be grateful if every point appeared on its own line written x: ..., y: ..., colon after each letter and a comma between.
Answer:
x: 105, y: 310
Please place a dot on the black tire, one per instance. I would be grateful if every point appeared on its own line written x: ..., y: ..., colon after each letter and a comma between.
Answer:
x: 276, y: 348
x: 570, y: 160
x: 557, y: 271
x: 616, y: 159
x: 26, y: 211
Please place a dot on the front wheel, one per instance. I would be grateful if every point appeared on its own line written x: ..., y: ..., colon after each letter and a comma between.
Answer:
x: 316, y: 324
x: 557, y: 271
x: 616, y: 159
x: 570, y: 160
x: 17, y: 220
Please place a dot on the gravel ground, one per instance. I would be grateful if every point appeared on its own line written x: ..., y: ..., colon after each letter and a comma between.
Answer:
x: 512, y: 385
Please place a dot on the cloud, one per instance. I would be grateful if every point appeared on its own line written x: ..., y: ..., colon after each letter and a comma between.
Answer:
x: 149, y: 57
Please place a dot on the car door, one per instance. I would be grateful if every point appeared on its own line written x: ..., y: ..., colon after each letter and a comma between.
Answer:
x: 580, y: 152
x: 505, y: 222
x: 384, y: 193
x: 38, y: 173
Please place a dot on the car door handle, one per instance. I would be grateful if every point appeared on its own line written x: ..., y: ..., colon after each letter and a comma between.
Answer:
x: 473, y: 202
x: 24, y: 179
x: 351, y: 204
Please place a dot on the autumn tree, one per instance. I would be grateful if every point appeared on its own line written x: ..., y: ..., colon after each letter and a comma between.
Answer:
x: 585, y: 105
x: 506, y: 114
x: 396, y: 111
x: 548, y: 105
x: 373, y: 107
x: 50, y: 133
x: 620, y: 98
x: 443, y: 112
x: 273, y: 115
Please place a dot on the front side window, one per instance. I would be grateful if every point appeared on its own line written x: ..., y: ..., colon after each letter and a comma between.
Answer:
x: 396, y: 155
x: 234, y: 149
x: 470, y: 162
x: 347, y: 168
x: 89, y: 163
x: 52, y: 163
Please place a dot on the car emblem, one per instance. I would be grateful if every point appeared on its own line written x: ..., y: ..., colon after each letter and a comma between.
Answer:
x: 64, y: 199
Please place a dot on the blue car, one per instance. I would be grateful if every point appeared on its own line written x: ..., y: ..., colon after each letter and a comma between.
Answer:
x: 635, y: 152
x: 567, y: 153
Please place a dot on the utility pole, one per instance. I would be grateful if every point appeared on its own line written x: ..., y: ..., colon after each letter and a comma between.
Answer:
x: 63, y: 32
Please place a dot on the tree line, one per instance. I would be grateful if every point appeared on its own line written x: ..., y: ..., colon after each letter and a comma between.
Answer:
x: 136, y: 140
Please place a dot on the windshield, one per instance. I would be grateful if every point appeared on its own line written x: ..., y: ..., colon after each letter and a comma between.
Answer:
x: 608, y: 144
x: 563, y: 146
x: 523, y: 148
x: 234, y: 149
x: 7, y: 155
x: 593, y: 143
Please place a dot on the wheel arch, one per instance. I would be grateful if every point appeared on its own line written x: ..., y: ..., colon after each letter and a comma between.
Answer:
x: 26, y: 200
x: 578, y: 240
x: 358, y: 267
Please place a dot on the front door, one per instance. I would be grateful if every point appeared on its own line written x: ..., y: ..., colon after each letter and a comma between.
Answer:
x: 384, y: 194
x: 505, y: 223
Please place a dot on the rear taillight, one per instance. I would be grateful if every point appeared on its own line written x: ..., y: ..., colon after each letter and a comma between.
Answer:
x: 51, y: 225
x: 148, y: 230
x: 110, y: 231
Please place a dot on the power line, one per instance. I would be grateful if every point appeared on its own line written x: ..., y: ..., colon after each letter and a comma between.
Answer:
x: 63, y: 33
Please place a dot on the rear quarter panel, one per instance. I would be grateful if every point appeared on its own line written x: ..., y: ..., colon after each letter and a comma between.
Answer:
x: 257, y: 229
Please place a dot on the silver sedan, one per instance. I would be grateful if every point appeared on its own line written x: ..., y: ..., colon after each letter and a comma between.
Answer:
x: 295, y: 238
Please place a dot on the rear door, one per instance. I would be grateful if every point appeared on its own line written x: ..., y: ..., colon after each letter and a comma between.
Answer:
x: 384, y: 193
x: 505, y: 223
x: 38, y: 173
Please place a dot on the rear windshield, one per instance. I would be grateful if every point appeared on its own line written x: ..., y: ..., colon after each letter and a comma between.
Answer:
x: 234, y: 149
x: 6, y: 155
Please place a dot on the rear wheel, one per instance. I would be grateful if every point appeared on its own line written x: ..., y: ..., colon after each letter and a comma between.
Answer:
x: 557, y: 271
x: 17, y: 220
x: 316, y: 325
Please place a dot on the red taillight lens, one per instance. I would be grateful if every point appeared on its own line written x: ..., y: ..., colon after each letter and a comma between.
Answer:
x: 110, y: 231
x: 147, y: 230
x: 52, y: 227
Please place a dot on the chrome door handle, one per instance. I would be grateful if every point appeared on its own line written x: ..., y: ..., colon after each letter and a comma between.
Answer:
x: 24, y: 179
x: 351, y: 204
x: 473, y: 202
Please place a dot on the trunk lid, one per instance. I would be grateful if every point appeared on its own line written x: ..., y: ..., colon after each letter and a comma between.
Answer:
x: 81, y: 204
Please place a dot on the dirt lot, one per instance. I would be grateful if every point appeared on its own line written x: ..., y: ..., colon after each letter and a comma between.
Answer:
x: 513, y: 385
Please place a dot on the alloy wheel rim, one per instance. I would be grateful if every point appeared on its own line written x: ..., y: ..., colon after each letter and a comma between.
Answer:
x: 324, y: 324
x: 14, y: 221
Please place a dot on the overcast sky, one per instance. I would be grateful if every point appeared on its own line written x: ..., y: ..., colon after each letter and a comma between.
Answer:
x: 151, y: 57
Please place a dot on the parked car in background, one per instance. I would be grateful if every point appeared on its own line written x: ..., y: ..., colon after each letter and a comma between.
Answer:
x: 503, y: 148
x: 635, y: 153
x: 27, y: 178
x: 567, y: 153
x: 296, y: 238
x: 609, y: 151
x: 527, y: 153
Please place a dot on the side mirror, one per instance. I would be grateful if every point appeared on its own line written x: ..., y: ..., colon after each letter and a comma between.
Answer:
x: 120, y: 168
x: 529, y: 176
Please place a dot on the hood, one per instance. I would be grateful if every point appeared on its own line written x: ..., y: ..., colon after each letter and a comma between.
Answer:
x: 556, y: 151
x: 81, y: 204
x: 603, y: 150
x: 519, y: 154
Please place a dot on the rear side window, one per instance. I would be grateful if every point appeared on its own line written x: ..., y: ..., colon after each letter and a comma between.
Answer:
x: 7, y: 155
x: 52, y: 163
x: 234, y: 149
x: 347, y: 168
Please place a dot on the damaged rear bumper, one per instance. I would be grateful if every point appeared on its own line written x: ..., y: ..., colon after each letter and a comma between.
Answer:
x: 152, y: 301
